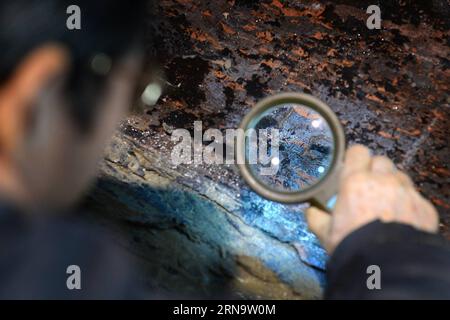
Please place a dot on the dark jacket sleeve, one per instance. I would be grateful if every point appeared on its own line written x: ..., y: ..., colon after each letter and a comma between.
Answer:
x: 412, y: 264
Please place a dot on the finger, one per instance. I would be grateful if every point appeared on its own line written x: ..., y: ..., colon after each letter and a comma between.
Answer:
x: 319, y: 223
x: 382, y: 165
x: 357, y: 159
x: 407, y: 210
x: 404, y: 179
x: 428, y: 213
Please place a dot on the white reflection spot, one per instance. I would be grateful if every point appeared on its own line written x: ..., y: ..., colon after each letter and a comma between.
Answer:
x: 321, y: 169
x: 316, y: 123
x: 275, y: 161
x: 151, y: 94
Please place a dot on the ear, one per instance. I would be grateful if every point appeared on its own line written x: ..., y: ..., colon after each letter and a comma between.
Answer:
x: 18, y: 94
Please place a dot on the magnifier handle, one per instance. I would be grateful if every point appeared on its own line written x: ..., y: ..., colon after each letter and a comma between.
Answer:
x: 326, y: 203
x: 326, y: 198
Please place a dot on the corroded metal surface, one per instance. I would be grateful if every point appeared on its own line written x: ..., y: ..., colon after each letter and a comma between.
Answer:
x: 389, y: 88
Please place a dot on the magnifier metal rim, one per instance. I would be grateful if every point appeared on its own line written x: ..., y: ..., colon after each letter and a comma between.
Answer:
x: 338, y: 150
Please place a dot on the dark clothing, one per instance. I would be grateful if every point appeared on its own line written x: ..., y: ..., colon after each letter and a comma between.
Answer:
x: 36, y: 252
x: 413, y: 264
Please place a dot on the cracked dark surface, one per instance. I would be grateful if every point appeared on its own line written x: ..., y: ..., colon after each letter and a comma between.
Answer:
x: 389, y: 87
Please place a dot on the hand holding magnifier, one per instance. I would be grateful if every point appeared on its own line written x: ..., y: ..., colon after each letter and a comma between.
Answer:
x: 293, y: 150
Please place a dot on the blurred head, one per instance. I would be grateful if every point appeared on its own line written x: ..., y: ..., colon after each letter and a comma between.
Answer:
x: 61, y: 93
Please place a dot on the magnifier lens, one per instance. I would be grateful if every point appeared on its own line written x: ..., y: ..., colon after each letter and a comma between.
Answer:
x: 289, y: 148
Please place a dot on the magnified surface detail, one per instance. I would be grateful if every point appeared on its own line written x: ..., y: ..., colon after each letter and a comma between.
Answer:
x: 302, y: 154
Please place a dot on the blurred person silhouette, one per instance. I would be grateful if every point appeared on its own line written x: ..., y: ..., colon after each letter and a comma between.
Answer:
x: 61, y: 94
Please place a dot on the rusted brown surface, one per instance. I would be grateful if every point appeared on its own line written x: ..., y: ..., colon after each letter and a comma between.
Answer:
x: 389, y: 87
x: 194, y: 225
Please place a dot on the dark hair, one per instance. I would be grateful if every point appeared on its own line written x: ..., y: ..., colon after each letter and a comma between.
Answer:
x: 110, y: 27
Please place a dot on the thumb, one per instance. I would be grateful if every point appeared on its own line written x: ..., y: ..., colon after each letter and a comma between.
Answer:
x: 319, y: 223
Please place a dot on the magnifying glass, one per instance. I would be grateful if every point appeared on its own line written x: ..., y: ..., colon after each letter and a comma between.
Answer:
x: 292, y: 150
